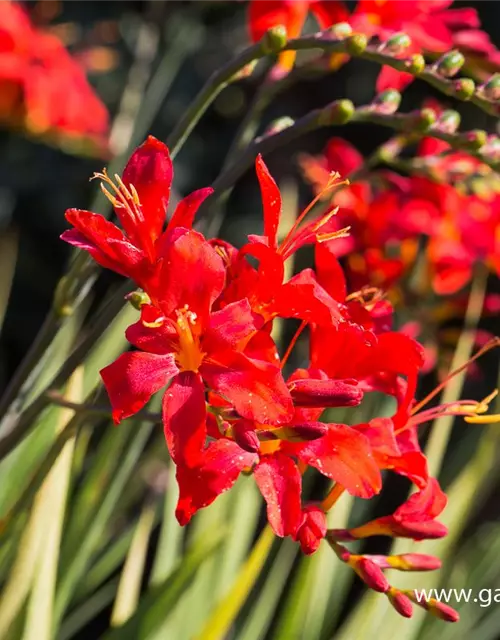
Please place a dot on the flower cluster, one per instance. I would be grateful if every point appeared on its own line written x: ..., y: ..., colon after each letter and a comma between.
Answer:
x: 451, y: 199
x: 43, y: 89
x: 430, y: 26
x: 207, y: 310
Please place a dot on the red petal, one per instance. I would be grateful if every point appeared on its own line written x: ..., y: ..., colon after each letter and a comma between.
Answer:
x: 302, y: 297
x: 325, y: 393
x: 218, y: 469
x: 184, y: 418
x: 389, y: 78
x: 105, y: 242
x: 280, y: 483
x: 426, y: 504
x: 255, y: 389
x: 329, y: 272
x: 133, y: 378
x: 271, y: 201
x: 192, y: 274
x: 344, y: 455
x: 329, y: 12
x: 187, y: 208
x: 229, y: 328
x: 342, y: 156
x: 159, y: 337
x: 150, y: 171
x: 264, y: 15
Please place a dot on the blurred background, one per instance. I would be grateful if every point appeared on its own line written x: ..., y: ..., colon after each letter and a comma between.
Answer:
x: 165, y: 51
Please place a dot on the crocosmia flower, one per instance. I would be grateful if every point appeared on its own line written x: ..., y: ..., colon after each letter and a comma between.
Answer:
x: 42, y: 88
x: 232, y: 402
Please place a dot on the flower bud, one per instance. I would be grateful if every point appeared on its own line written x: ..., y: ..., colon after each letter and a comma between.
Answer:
x: 400, y: 602
x: 280, y: 124
x: 448, y: 121
x: 300, y: 432
x: 464, y: 88
x: 275, y: 39
x: 435, y: 608
x: 341, y: 30
x: 244, y: 435
x: 325, y: 393
x: 450, y: 64
x: 312, y: 530
x: 338, y: 112
x: 371, y: 575
x: 387, y: 102
x: 357, y: 44
x: 422, y: 120
x: 474, y: 139
x: 492, y: 148
x: 415, y: 64
x: 491, y: 88
x: 397, y: 43
x: 138, y: 299
x: 407, y: 562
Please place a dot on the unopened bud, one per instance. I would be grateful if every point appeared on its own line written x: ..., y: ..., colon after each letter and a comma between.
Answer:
x: 371, y: 575
x: 424, y: 119
x: 397, y: 43
x: 387, y: 102
x: 464, y: 88
x: 435, y: 608
x: 415, y: 64
x: 492, y: 148
x: 407, y: 562
x: 325, y: 393
x: 448, y: 121
x: 450, y: 64
x: 246, y: 436
x: 138, y: 299
x: 301, y: 432
x: 275, y: 39
x: 341, y: 30
x: 280, y: 124
x: 474, y: 139
x: 356, y: 44
x: 312, y: 530
x: 400, y: 602
x: 491, y: 88
x: 338, y: 112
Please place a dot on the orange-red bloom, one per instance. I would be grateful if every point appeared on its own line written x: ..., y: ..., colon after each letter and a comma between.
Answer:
x: 42, y: 88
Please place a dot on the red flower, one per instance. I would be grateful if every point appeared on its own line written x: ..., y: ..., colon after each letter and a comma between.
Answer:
x: 140, y: 199
x: 186, y: 343
x: 43, y: 88
x: 416, y: 519
x: 301, y: 297
x: 292, y: 15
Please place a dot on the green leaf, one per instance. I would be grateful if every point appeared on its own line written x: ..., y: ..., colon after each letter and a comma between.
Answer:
x: 157, y: 603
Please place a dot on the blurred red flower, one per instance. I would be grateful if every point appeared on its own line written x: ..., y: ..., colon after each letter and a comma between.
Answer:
x: 42, y: 88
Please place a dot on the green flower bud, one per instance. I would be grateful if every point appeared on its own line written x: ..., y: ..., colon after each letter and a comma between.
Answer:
x: 338, y: 112
x: 275, y: 39
x: 491, y: 89
x: 387, y: 102
x: 450, y: 64
x: 415, y: 64
x: 449, y: 121
x: 464, y: 88
x: 341, y: 31
x: 138, y: 298
x: 424, y: 119
x: 474, y: 139
x: 280, y: 124
x: 397, y: 43
x: 357, y: 44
